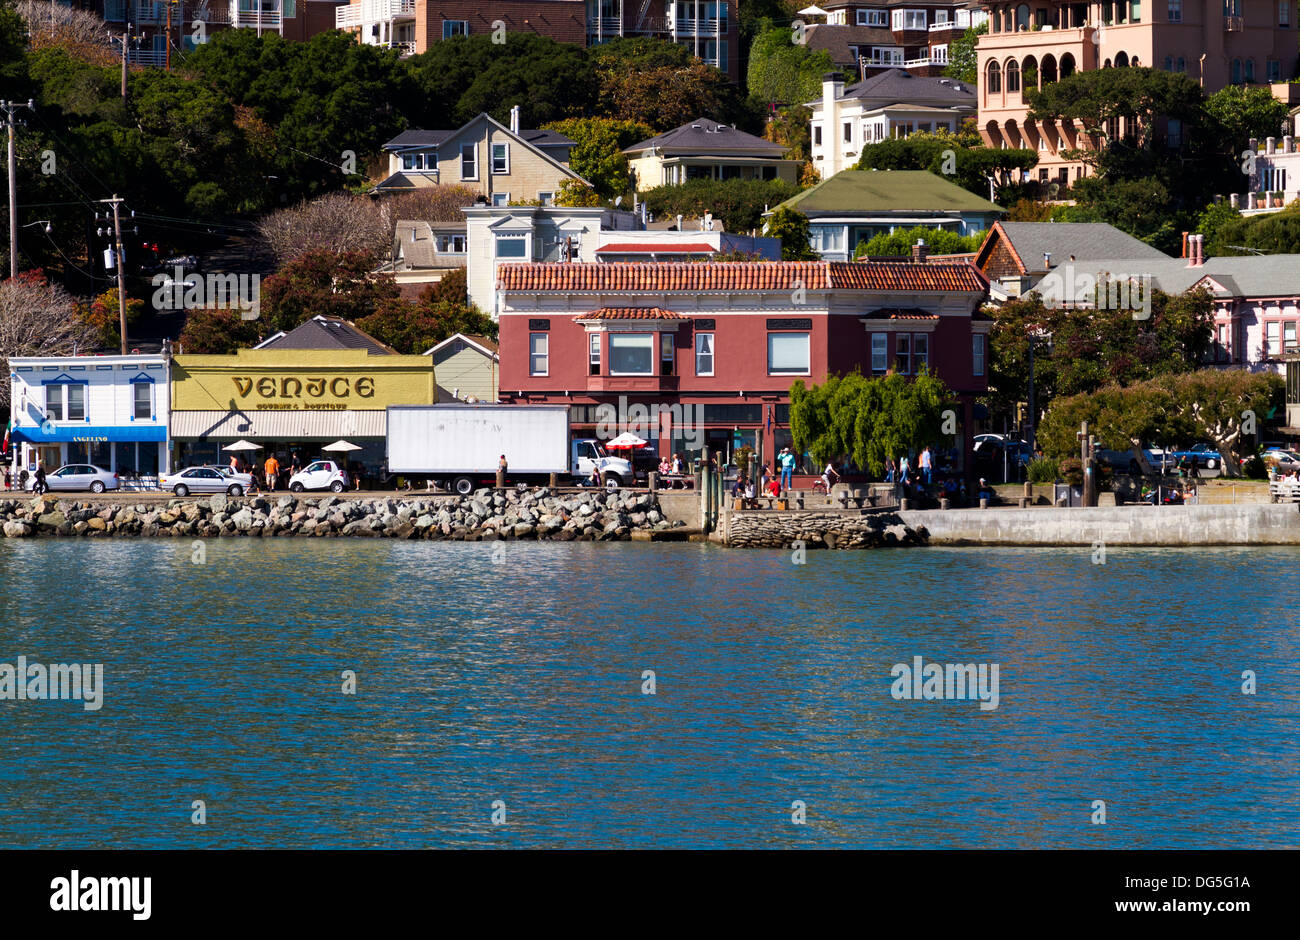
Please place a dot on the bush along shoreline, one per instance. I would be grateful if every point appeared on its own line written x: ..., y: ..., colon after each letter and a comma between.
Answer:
x: 485, y: 515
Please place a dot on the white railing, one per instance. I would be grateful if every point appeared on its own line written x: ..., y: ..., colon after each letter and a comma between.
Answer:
x: 251, y: 19
x: 154, y: 57
x: 939, y: 27
x: 147, y: 12
x: 882, y: 61
x: 924, y: 60
x: 373, y: 11
x: 685, y: 27
x: 606, y: 24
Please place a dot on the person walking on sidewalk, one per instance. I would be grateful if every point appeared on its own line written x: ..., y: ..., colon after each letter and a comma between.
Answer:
x: 272, y: 469
x: 926, y: 462
x: 786, y: 462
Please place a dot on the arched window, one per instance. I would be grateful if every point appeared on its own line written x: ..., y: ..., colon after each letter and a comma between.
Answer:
x: 1067, y: 65
x: 1106, y: 64
x: 1169, y: 63
x: 1236, y: 71
x: 1029, y: 72
x: 1121, y: 60
x: 994, y: 83
x: 1250, y: 70
x: 1182, y: 64
x: 1049, y: 69
x: 1022, y: 17
x: 1013, y: 75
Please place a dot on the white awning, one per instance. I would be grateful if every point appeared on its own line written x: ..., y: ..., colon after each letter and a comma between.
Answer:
x: 278, y: 425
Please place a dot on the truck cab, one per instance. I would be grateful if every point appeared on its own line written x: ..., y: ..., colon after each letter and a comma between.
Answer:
x: 588, y: 452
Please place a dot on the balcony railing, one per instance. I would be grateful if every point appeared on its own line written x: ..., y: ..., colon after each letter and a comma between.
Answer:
x: 708, y: 27
x: 151, y: 57
x: 651, y: 24
x: 940, y: 27
x: 252, y: 19
x: 373, y: 11
x: 1233, y: 24
x: 607, y: 24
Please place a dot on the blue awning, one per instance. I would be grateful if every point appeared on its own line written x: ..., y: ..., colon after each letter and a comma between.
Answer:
x: 88, y: 434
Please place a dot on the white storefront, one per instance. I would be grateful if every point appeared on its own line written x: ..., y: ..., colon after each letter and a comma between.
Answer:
x: 110, y: 411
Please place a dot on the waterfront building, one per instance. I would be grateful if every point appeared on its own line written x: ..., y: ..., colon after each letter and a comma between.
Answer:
x: 893, y: 103
x: 293, y: 400
x: 501, y: 164
x: 706, y: 149
x: 468, y: 367
x: 867, y: 38
x: 855, y: 205
x: 1030, y: 45
x: 110, y: 411
x: 1017, y: 255
x: 713, y: 347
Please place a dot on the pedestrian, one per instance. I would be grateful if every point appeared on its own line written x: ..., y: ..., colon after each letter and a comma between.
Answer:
x: 272, y: 468
x: 829, y: 476
x: 904, y: 470
x: 234, y: 463
x: 295, y: 464
x: 891, y: 470
x: 787, y: 461
x: 926, y: 462
x: 39, y: 486
x: 595, y: 474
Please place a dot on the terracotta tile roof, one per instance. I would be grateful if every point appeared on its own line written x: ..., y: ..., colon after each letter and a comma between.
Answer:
x: 662, y: 248
x: 630, y: 313
x: 741, y: 276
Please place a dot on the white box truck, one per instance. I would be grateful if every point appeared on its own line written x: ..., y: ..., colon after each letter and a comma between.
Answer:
x: 460, y: 446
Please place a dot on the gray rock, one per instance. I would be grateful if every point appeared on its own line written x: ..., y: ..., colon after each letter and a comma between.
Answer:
x: 17, y: 530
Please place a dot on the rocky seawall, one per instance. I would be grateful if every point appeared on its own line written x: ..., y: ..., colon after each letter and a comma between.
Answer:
x: 487, y: 514
x: 821, y: 530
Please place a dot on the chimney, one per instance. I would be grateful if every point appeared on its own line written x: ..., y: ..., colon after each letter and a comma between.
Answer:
x: 832, y: 91
x: 918, y: 251
x: 514, y: 120
x: 1195, y: 251
x: 1184, y: 254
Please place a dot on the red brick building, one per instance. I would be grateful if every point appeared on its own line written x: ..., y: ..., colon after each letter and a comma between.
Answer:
x: 718, y: 345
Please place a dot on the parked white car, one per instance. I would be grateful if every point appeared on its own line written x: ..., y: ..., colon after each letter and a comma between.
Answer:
x: 320, y: 475
x: 205, y: 480
x: 77, y: 477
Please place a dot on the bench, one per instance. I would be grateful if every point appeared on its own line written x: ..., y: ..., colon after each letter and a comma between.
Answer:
x: 1283, y: 491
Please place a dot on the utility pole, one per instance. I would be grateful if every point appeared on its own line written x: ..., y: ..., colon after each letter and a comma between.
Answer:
x: 125, y: 38
x: 9, y: 107
x: 116, y: 203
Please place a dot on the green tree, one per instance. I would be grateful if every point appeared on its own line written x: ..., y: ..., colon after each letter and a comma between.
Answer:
x: 1212, y: 222
x: 900, y: 241
x: 867, y: 420
x: 325, y: 283
x: 791, y: 226
x: 1140, y: 207
x: 459, y: 78
x: 1092, y: 348
x: 1242, y: 112
x: 962, y: 64
x: 952, y: 157
x: 739, y: 204
x: 1274, y: 233
x: 781, y: 72
x: 576, y: 195
x: 663, y: 85
x: 217, y: 332
x: 598, y: 154
x: 442, y: 310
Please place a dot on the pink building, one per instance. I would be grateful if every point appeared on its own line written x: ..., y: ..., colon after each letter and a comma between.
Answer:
x: 1032, y: 44
x: 717, y: 345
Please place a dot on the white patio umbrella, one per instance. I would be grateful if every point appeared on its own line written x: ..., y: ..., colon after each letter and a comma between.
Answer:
x: 625, y: 441
x: 341, y: 447
x: 242, y: 445
x: 813, y: 10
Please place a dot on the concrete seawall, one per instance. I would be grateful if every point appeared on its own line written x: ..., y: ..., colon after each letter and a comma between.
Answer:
x: 1122, y: 525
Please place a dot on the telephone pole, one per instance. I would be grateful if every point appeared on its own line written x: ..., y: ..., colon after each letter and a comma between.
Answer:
x: 116, y: 203
x: 9, y: 107
x: 125, y: 38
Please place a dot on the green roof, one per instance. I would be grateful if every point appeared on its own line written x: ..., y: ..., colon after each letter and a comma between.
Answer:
x: 887, y: 191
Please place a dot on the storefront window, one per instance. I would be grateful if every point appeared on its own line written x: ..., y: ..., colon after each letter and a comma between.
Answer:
x: 126, y: 457
x: 148, y: 462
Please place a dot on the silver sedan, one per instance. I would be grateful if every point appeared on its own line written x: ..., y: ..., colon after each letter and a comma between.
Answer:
x: 205, y: 480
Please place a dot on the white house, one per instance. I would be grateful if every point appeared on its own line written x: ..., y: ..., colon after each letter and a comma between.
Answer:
x: 110, y: 411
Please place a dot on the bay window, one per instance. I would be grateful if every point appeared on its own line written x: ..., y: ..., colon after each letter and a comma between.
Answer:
x: 631, y: 353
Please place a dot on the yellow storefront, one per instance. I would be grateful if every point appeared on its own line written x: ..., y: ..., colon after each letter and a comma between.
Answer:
x: 292, y: 401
